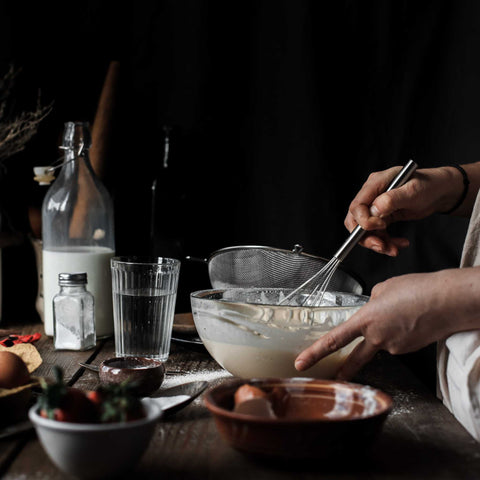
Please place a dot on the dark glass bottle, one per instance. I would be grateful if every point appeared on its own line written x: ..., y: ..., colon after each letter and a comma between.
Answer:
x: 168, y: 221
x: 166, y: 203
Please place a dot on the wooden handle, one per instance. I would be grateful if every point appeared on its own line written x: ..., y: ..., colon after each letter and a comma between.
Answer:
x: 99, y: 152
x: 103, y: 122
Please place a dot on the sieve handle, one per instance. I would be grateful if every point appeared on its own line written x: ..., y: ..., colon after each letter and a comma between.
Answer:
x: 196, y: 259
x: 358, y: 232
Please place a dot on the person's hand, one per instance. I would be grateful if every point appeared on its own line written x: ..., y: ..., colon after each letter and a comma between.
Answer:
x: 404, y: 314
x: 374, y: 209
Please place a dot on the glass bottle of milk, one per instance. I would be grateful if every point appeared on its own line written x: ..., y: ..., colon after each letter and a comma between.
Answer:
x: 77, y: 229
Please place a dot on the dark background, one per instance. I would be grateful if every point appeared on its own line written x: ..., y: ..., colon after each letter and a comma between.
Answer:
x: 280, y: 110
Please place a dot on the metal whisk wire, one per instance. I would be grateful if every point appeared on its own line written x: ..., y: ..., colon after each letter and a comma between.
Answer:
x: 322, y: 278
x: 316, y: 297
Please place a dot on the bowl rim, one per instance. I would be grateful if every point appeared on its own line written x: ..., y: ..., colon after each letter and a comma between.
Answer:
x: 150, y: 364
x: 386, y: 399
x: 201, y: 295
x: 154, y: 413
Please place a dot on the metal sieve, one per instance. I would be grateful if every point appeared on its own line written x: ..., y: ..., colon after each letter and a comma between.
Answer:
x: 247, y: 266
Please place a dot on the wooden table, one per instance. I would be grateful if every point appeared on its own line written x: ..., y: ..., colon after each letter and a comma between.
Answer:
x: 420, y: 439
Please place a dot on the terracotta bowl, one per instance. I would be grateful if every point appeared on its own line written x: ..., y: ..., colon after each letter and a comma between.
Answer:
x: 317, y: 419
x: 147, y: 373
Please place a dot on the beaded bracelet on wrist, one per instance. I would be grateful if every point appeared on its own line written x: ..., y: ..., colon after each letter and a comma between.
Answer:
x: 466, y: 183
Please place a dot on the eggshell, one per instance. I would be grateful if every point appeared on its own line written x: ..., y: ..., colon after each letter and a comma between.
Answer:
x: 247, y: 392
x: 258, y: 406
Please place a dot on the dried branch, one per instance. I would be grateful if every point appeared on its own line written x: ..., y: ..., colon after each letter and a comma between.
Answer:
x: 16, y: 132
x: 6, y: 87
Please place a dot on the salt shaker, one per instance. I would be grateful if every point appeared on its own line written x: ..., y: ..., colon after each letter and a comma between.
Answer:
x: 73, y: 314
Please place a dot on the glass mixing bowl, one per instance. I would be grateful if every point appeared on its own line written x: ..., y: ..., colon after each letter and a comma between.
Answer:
x: 251, y: 336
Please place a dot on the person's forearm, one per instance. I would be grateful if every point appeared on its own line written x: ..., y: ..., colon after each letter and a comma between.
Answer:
x: 404, y: 314
x: 458, y: 298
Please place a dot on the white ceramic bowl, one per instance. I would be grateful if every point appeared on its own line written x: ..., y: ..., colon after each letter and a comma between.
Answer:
x: 251, y: 336
x: 96, y: 450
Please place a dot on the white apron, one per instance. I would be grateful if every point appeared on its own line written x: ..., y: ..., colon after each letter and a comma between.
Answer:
x: 458, y: 357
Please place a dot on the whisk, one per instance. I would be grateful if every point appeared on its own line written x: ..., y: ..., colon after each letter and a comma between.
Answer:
x: 318, y: 283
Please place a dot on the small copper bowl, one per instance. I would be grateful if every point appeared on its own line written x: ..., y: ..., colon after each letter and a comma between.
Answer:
x: 320, y: 419
x: 146, y: 374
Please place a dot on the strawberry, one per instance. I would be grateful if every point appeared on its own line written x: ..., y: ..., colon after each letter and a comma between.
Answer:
x: 117, y: 402
x: 106, y: 404
x: 65, y: 404
x: 95, y: 397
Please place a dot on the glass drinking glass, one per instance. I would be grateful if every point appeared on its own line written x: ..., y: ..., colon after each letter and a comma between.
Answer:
x: 144, y: 293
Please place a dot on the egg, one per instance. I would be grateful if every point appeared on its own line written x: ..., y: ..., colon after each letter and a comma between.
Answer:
x: 252, y: 400
x: 258, y: 407
x: 247, y: 392
x: 13, y: 370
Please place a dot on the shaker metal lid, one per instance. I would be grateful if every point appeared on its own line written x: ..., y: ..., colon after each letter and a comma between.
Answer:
x: 76, y: 278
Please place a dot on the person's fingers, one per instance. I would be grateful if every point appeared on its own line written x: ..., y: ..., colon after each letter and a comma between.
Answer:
x: 375, y: 243
x: 399, y: 242
x: 360, y: 214
x: 391, y: 204
x: 367, y: 222
x: 371, y: 240
x: 373, y: 208
x: 381, y: 242
x: 376, y: 184
x: 328, y: 343
x: 360, y: 356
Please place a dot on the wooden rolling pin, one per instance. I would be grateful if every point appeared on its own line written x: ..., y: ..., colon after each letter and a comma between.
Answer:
x: 99, y: 152
x: 104, y: 121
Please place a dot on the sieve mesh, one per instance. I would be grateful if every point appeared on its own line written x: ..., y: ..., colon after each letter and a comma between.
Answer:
x: 267, y: 267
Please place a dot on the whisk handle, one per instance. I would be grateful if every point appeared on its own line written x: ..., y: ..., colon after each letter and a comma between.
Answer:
x: 403, y: 176
x: 358, y: 232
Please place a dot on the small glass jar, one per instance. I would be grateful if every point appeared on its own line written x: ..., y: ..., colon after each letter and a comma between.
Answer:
x: 73, y: 314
